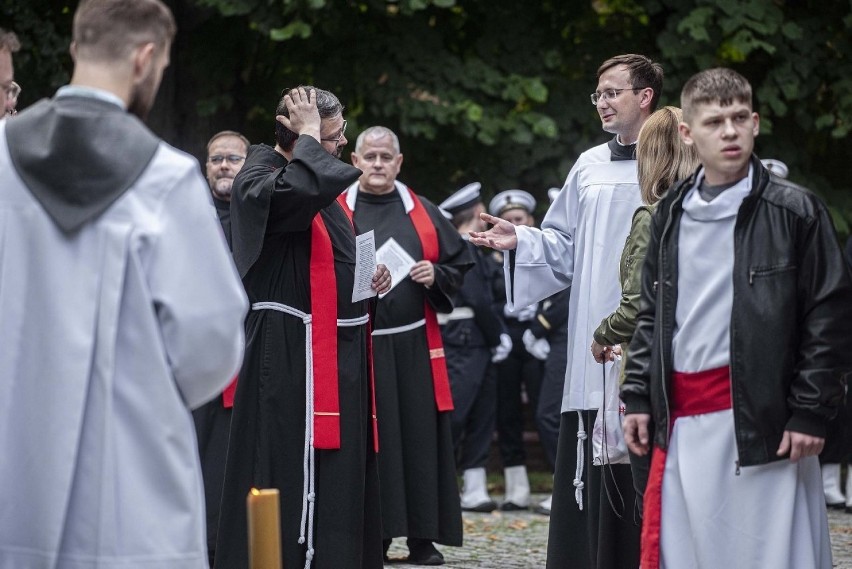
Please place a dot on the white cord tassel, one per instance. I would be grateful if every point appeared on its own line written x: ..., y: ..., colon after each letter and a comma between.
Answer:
x: 581, y: 461
x: 308, y: 465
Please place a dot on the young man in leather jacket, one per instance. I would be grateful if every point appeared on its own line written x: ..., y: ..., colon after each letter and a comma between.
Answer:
x: 740, y: 352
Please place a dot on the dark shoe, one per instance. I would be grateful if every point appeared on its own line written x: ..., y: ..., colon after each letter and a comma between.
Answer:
x: 837, y: 506
x: 423, y: 552
x: 849, y: 509
x: 484, y: 507
x: 512, y: 507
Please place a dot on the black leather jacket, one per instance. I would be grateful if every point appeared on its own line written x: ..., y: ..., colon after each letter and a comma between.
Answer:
x: 791, y: 323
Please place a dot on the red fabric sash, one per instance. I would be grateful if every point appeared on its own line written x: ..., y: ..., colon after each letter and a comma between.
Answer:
x: 324, y: 338
x: 229, y: 393
x: 431, y: 252
x: 692, y: 394
x: 341, y: 199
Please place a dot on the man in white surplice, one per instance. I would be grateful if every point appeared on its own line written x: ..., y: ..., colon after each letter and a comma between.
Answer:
x: 120, y: 309
x: 579, y: 245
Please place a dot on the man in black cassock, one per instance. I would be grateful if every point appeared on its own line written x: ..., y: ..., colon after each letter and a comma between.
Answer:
x: 420, y: 497
x: 226, y: 153
x: 290, y: 241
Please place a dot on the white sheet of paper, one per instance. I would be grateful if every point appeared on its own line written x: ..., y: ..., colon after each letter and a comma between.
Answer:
x: 365, y: 266
x: 396, y: 259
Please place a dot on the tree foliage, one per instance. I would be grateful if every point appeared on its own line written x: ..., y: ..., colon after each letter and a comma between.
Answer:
x: 490, y: 91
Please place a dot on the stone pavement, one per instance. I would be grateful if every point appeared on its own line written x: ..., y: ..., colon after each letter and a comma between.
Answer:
x: 518, y: 540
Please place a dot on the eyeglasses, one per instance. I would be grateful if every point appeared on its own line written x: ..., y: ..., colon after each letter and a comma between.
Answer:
x: 12, y: 90
x: 337, y: 138
x: 234, y: 159
x: 609, y: 94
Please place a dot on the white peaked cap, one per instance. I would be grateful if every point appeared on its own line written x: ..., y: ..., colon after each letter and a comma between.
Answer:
x: 511, y: 199
x: 462, y: 199
x: 776, y: 167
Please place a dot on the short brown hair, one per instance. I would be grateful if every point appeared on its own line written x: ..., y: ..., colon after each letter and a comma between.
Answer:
x: 644, y: 73
x: 717, y: 85
x: 227, y: 133
x: 106, y: 30
x: 9, y: 41
x: 662, y: 158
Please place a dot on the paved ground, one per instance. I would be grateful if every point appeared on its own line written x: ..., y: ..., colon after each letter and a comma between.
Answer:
x: 509, y: 540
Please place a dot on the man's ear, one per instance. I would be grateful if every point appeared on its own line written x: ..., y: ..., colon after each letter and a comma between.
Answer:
x: 354, y: 158
x: 685, y: 134
x: 756, y: 118
x: 647, y: 97
x: 399, y: 161
x: 143, y: 58
x: 73, y: 51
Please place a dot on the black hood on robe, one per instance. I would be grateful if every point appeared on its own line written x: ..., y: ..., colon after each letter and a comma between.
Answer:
x: 78, y: 155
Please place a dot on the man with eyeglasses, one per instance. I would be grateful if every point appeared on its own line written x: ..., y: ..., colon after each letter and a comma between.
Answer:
x: 303, y: 419
x: 9, y: 90
x: 420, y: 497
x: 226, y: 153
x: 579, y: 245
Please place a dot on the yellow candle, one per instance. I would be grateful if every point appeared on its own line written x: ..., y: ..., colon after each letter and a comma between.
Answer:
x: 264, y: 529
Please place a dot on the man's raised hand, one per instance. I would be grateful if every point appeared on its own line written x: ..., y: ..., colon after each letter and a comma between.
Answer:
x: 501, y: 237
x: 304, y: 117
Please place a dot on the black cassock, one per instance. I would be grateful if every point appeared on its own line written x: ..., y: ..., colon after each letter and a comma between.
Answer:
x: 420, y: 497
x: 212, y: 425
x: 271, y: 213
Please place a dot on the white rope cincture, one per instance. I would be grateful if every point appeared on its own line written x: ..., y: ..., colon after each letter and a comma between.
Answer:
x: 399, y: 329
x: 581, y: 461
x: 309, y: 490
x: 306, y: 526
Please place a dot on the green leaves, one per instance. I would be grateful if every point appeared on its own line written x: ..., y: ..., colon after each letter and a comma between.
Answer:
x: 494, y: 91
x: 295, y: 29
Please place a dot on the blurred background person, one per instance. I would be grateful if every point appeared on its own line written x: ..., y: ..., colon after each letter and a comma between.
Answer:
x: 121, y: 312
x: 548, y: 414
x: 519, y: 375
x: 226, y: 153
x: 474, y: 336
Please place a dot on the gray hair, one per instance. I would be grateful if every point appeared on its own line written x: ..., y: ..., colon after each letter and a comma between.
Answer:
x: 377, y: 132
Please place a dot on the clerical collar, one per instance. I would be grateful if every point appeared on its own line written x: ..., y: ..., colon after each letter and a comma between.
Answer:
x: 709, y: 192
x: 619, y: 152
x: 90, y: 93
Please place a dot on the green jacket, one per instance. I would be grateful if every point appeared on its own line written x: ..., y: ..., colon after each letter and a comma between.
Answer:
x: 617, y: 328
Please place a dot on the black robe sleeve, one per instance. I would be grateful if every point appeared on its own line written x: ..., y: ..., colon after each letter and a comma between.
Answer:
x: 455, y: 259
x: 271, y: 195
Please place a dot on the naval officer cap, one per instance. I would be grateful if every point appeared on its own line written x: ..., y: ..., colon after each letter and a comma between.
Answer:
x: 776, y: 167
x: 462, y: 199
x: 511, y: 199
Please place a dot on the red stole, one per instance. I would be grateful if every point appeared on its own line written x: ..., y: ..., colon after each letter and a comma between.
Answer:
x: 374, y: 418
x: 431, y: 252
x: 324, y: 338
x: 692, y: 394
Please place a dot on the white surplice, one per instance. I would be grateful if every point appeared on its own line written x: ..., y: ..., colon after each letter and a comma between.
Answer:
x: 714, y: 513
x: 108, y: 336
x: 579, y: 245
